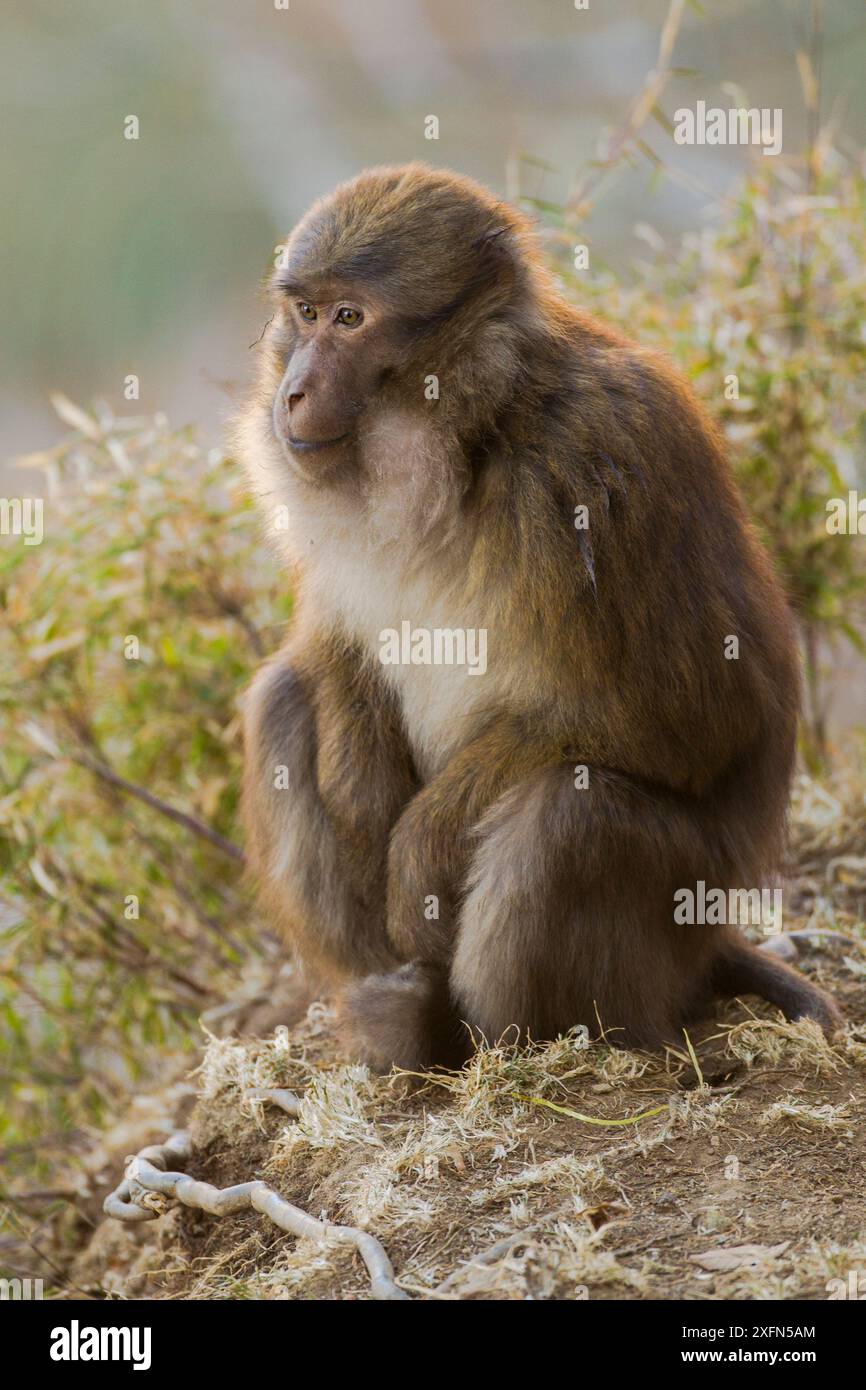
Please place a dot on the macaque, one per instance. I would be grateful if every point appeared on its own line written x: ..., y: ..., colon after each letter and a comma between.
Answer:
x: 461, y: 848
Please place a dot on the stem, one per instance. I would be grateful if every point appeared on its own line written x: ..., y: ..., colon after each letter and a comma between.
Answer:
x: 114, y: 779
x: 815, y: 719
x: 639, y: 111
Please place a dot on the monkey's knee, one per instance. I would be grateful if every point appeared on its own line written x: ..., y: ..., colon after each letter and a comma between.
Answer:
x: 279, y: 755
x: 277, y: 715
x: 405, y: 1019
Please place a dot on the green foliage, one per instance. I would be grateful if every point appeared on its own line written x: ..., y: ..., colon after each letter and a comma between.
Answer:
x: 148, y: 537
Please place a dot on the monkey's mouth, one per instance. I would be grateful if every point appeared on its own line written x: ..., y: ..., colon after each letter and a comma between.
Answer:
x: 311, y: 446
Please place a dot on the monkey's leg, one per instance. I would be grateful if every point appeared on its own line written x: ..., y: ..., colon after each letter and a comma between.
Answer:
x: 566, y: 919
x: 740, y: 968
x: 326, y: 775
x: 569, y: 914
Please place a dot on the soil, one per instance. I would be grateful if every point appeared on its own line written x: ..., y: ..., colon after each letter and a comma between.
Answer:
x: 749, y: 1154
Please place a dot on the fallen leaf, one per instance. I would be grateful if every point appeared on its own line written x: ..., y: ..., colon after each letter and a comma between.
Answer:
x: 739, y: 1256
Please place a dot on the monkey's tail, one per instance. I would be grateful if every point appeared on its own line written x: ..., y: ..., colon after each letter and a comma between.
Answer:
x: 740, y: 968
x: 405, y: 1018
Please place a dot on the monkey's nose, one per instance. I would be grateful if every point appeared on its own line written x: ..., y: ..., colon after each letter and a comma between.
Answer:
x: 294, y: 399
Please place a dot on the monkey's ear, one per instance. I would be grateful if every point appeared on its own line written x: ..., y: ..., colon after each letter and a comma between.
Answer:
x: 496, y: 258
x: 489, y: 238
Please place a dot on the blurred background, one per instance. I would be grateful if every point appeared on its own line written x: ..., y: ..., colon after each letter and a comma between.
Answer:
x: 144, y: 256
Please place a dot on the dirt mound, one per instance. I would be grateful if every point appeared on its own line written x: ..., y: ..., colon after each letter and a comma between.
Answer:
x: 481, y: 1185
x: 732, y: 1167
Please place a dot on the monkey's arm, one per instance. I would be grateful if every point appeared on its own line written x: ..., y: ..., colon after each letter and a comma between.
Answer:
x: 327, y: 772
x: 432, y: 841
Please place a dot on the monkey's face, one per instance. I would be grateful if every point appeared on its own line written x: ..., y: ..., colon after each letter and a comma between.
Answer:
x: 399, y: 278
x: 382, y: 282
x: 337, y: 348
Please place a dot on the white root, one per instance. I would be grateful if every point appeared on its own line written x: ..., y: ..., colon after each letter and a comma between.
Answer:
x: 286, y: 1100
x: 148, y: 1178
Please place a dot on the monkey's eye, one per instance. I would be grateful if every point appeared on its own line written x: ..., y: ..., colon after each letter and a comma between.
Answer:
x: 349, y: 318
x: 307, y: 312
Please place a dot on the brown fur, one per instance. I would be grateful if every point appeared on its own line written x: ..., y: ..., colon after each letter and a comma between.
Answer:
x: 606, y: 645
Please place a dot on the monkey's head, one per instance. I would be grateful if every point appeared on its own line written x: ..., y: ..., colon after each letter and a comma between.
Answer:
x: 384, y: 286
